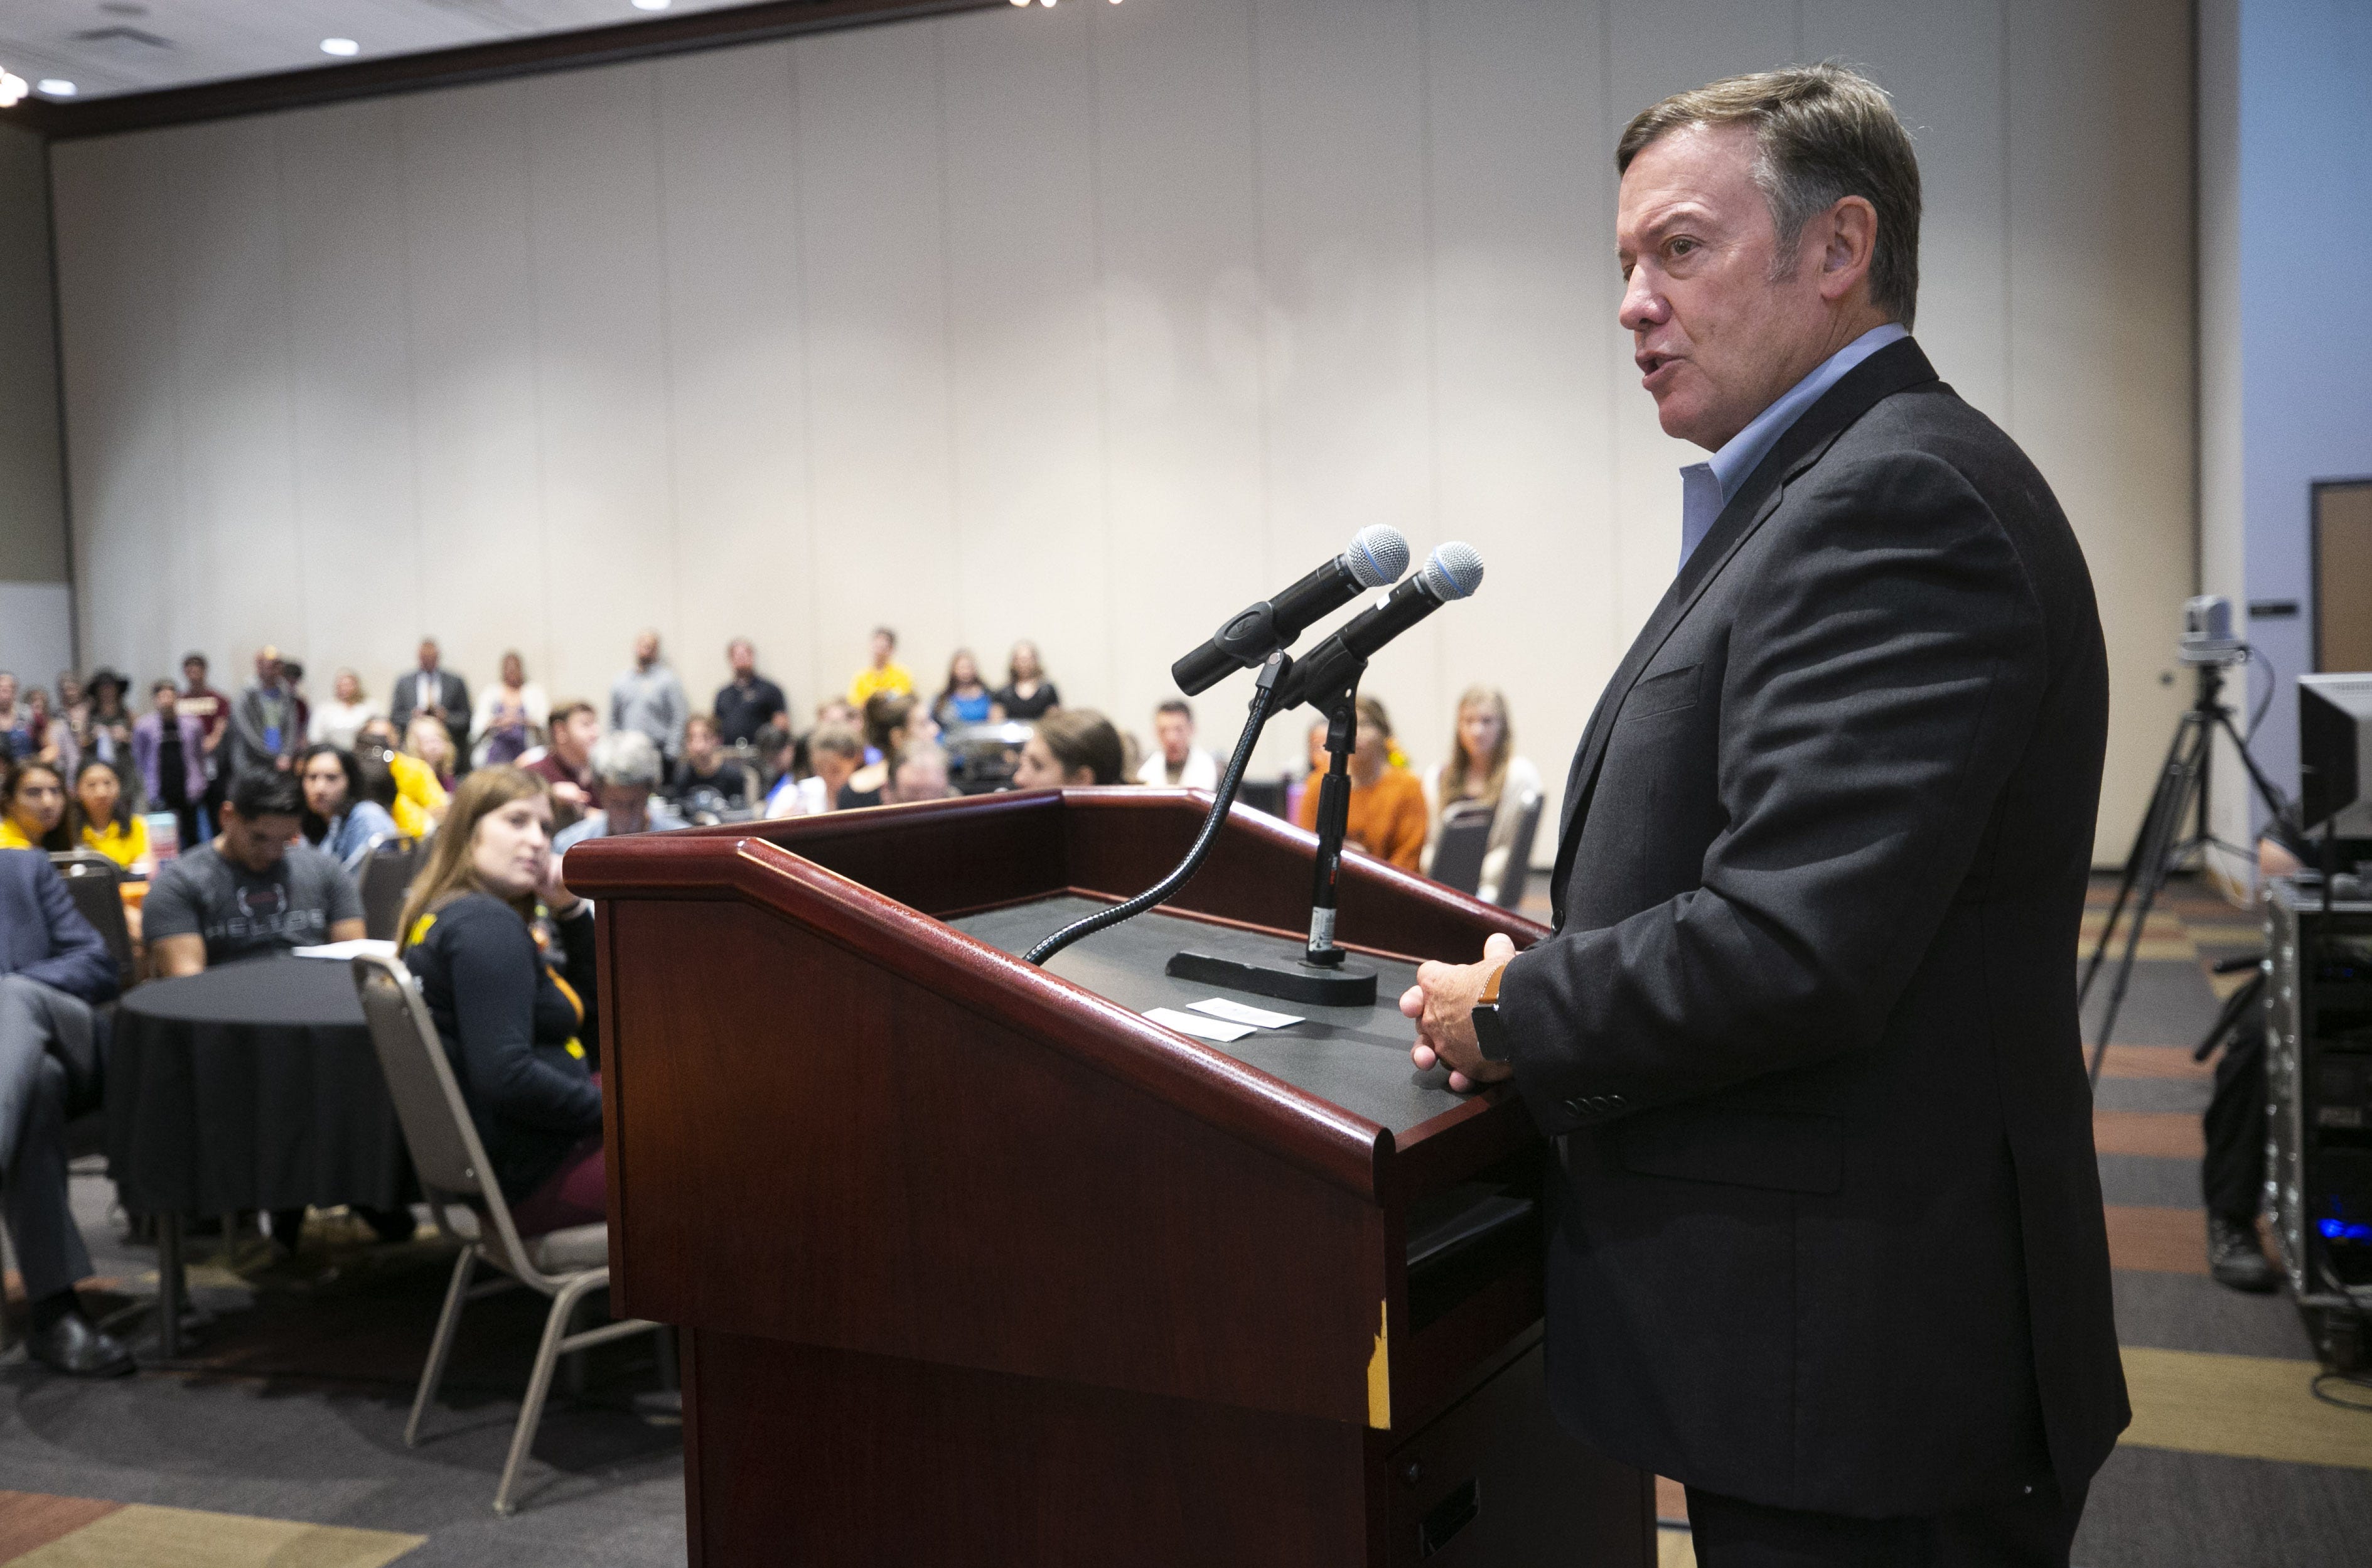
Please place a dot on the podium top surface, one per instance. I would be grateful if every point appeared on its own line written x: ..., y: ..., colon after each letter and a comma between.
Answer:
x: 1356, y: 1058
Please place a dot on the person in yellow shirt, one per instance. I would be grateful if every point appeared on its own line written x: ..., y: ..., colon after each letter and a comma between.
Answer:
x: 884, y: 674
x: 420, y: 800
x: 103, y: 819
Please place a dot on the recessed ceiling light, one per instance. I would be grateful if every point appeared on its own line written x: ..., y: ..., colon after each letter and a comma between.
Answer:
x: 653, y: 4
x: 340, y: 47
x: 57, y: 89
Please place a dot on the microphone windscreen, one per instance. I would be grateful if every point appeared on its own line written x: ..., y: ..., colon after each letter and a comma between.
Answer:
x: 1453, y: 570
x: 1378, y: 555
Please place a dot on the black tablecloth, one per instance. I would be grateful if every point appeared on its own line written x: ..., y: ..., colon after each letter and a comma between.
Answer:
x: 251, y: 1086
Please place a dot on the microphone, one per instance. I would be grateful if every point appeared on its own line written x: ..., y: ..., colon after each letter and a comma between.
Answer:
x: 1451, y: 572
x: 1378, y: 555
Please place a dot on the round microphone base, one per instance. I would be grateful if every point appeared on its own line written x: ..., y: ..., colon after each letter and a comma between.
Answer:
x: 1343, y: 987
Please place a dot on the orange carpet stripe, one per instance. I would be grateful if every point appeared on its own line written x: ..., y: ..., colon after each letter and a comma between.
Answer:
x: 30, y: 1520
x: 2154, y: 1062
x: 2157, y: 1241
x: 2169, y: 1134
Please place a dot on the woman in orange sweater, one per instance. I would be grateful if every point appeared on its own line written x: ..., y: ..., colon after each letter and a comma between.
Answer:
x: 1386, y: 802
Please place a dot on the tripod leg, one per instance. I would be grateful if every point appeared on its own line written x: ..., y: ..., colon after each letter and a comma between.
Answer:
x: 2182, y: 780
x: 2168, y: 775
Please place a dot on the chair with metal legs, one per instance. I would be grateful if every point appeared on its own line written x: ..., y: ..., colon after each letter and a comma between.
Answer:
x: 566, y: 1265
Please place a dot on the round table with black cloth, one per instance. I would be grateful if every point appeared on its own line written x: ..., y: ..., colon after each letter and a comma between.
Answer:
x: 253, y: 1085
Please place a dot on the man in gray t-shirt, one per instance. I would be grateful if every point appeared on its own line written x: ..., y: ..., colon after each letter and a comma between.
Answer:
x: 251, y: 891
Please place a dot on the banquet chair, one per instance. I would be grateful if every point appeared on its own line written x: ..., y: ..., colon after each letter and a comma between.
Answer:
x: 385, y: 878
x: 565, y: 1265
x: 96, y: 884
x: 1465, y: 836
x: 1519, y: 870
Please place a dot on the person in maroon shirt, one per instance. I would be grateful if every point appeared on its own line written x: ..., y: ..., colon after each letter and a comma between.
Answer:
x: 210, y: 708
x: 567, y: 764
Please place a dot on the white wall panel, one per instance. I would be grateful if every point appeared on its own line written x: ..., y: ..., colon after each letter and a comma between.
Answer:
x: 1088, y: 325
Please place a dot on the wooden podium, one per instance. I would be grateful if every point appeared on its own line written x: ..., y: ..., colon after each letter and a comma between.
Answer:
x: 976, y: 1264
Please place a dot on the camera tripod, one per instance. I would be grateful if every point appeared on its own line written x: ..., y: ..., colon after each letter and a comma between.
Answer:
x: 2160, y: 848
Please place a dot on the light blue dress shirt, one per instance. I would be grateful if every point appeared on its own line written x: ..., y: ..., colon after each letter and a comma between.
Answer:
x: 1706, y: 487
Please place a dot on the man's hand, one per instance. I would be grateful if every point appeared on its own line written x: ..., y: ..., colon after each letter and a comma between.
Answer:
x: 1442, y: 1002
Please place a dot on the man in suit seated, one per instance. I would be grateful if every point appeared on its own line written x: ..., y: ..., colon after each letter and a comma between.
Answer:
x: 1825, y: 1238
x: 54, y: 969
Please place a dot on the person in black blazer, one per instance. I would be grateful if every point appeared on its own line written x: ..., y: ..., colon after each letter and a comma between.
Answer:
x: 451, y: 703
x: 1826, y: 1239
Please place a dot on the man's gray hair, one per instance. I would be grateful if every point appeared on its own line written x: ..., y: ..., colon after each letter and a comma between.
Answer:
x: 626, y: 758
x: 1823, y: 132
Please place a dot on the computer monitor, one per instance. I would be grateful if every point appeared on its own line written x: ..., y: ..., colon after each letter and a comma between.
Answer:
x: 2335, y: 755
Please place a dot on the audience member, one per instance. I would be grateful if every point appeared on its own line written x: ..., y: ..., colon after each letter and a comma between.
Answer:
x: 341, y: 820
x: 626, y: 771
x: 919, y: 774
x: 1483, y: 770
x: 513, y: 1025
x: 212, y: 709
x: 511, y: 716
x: 251, y: 891
x: 426, y: 740
x: 1074, y: 747
x: 293, y: 673
x: 707, y: 784
x: 883, y: 675
x: 420, y: 800
x: 33, y: 808
x: 169, y: 752
x: 74, y: 706
x: 1027, y: 694
x: 649, y: 700
x: 54, y: 969
x: 748, y: 702
x: 1178, y: 762
x: 339, y: 722
x: 53, y: 742
x: 1386, y: 802
x: 891, y: 722
x: 964, y: 700
x: 837, y: 752
x: 429, y: 687
x: 1314, y: 748
x: 264, y: 733
x: 776, y: 756
x: 102, y: 819
x: 567, y: 763
x: 17, y: 737
x: 106, y: 727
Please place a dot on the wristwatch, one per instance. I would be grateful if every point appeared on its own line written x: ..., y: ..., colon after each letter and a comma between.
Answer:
x: 1490, y: 1030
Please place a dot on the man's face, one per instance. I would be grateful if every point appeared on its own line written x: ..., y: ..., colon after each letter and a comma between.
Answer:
x: 7, y: 691
x: 168, y: 700
x: 699, y: 745
x: 744, y: 660
x: 194, y: 672
x: 267, y: 668
x: 574, y: 736
x: 1175, y: 733
x: 627, y: 806
x: 428, y: 658
x: 259, y: 844
x: 646, y: 648
x: 1715, y: 339
x: 921, y: 778
x: 882, y: 647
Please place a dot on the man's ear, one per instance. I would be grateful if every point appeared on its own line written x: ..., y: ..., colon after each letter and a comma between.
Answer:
x: 1848, y: 238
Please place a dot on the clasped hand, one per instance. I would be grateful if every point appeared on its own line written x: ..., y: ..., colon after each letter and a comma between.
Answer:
x: 1442, y: 1002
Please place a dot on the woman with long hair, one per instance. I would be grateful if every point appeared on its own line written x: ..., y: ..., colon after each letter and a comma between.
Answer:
x: 1076, y: 747
x: 33, y: 808
x: 1026, y: 693
x: 1483, y: 770
x: 340, y: 819
x: 965, y: 699
x: 511, y: 716
x: 426, y: 740
x: 101, y: 819
x: 514, y: 1016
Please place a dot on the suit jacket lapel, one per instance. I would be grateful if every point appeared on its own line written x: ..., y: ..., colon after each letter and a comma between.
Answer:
x: 1891, y: 369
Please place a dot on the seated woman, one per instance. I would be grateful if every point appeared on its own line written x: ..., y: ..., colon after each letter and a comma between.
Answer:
x: 513, y: 1017
x: 1074, y: 747
x: 428, y: 740
x: 103, y: 821
x: 341, y: 820
x: 965, y: 699
x: 33, y: 808
x: 1386, y: 816
x: 511, y: 716
x: 420, y: 800
x: 892, y: 722
x: 1026, y: 693
x: 836, y: 750
x: 1483, y: 770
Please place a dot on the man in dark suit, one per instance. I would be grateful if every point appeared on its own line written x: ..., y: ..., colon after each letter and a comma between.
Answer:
x: 1826, y: 1239
x: 433, y: 689
x: 54, y: 970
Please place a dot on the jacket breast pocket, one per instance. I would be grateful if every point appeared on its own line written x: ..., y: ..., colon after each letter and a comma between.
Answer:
x: 1780, y: 1151
x: 1667, y: 692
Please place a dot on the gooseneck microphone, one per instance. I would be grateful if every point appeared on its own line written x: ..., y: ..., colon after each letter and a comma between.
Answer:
x: 1451, y: 572
x: 1378, y: 555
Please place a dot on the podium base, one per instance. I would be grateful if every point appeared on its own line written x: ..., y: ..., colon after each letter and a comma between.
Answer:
x: 1345, y: 987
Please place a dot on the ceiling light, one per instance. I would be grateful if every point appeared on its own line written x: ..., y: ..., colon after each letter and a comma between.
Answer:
x: 340, y: 47
x: 653, y: 4
x: 57, y: 89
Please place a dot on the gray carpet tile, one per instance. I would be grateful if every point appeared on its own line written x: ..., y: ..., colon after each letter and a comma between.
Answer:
x: 2167, y: 1002
x: 2157, y: 1508
x: 2193, y: 1312
x: 2185, y: 1097
x: 2150, y: 1181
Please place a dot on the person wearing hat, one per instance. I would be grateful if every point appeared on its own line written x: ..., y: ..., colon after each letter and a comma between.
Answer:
x: 266, y: 731
x: 109, y: 721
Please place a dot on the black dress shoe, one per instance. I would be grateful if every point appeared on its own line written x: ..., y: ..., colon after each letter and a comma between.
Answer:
x: 79, y: 1348
x: 2234, y: 1256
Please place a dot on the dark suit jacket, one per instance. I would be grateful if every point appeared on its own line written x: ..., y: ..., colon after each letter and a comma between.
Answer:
x: 401, y: 704
x: 44, y: 936
x: 1828, y: 1232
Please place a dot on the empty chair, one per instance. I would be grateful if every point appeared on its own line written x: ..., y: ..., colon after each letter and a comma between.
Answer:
x: 565, y: 1265
x: 1263, y: 794
x: 1518, y: 870
x: 386, y: 877
x: 1457, y: 854
x: 96, y: 884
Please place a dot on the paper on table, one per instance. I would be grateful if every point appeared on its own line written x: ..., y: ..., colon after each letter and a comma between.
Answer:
x: 1237, y: 1013
x: 1199, y: 1027
x: 345, y: 950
